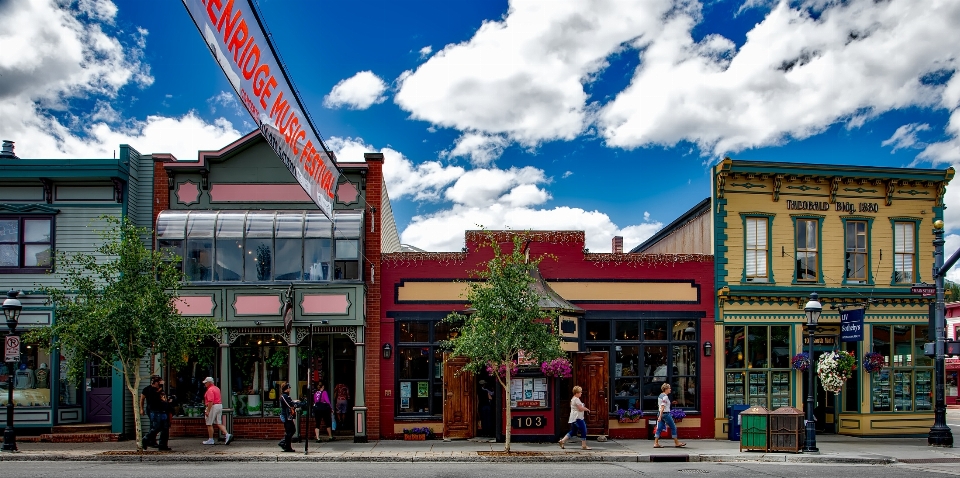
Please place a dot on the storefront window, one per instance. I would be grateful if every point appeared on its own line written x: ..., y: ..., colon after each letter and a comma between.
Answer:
x: 259, y: 367
x: 906, y: 382
x: 185, y: 383
x: 31, y: 378
x: 645, y: 354
x: 764, y: 379
x: 419, y: 361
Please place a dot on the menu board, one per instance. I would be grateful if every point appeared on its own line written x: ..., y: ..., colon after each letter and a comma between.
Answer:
x: 528, y: 392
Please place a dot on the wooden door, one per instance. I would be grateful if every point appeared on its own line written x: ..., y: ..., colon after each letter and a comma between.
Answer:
x: 458, y: 399
x: 593, y: 375
x: 99, y: 386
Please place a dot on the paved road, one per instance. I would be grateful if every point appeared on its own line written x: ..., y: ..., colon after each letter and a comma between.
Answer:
x: 392, y: 470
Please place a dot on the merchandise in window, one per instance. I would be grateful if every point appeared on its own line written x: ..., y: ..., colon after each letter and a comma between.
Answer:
x: 757, y: 365
x: 755, y: 260
x: 32, y: 377
x: 905, y: 383
x: 904, y: 250
x: 185, y: 383
x: 26, y: 243
x: 806, y: 250
x: 259, y: 368
x: 644, y: 355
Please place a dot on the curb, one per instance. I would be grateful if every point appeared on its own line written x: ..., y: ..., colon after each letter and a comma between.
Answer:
x: 465, y: 458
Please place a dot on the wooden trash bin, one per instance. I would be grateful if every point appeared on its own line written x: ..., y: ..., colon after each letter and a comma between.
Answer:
x: 786, y: 430
x: 754, y: 430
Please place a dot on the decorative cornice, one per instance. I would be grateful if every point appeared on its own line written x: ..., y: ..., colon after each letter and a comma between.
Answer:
x: 546, y: 237
x: 634, y: 260
x: 402, y: 259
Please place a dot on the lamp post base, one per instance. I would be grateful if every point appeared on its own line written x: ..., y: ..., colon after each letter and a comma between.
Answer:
x: 9, y: 440
x: 940, y: 436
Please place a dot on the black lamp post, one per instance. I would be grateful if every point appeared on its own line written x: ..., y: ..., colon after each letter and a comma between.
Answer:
x: 812, y: 309
x: 11, y: 310
x: 940, y: 434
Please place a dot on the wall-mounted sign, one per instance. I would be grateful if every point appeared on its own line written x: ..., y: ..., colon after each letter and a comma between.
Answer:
x: 820, y: 340
x: 851, y: 325
x: 234, y: 34
x: 11, y: 349
x: 533, y: 421
x: 845, y: 207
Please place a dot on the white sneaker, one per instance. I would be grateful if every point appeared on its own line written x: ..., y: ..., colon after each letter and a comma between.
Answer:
x: 209, y: 442
x: 228, y: 439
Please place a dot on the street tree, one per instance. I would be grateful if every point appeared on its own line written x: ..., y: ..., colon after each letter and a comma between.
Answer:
x: 117, y: 306
x: 505, y: 319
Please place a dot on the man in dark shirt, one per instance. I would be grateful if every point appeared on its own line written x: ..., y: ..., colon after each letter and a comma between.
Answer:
x: 152, y: 397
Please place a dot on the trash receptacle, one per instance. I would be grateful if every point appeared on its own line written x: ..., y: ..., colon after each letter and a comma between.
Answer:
x: 228, y: 419
x: 786, y: 429
x: 754, y: 430
x: 733, y: 421
x: 651, y: 427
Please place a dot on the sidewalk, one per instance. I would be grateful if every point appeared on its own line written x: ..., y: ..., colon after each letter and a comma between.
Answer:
x: 833, y: 449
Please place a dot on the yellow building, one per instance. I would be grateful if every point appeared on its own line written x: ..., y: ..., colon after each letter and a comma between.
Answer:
x: 859, y: 237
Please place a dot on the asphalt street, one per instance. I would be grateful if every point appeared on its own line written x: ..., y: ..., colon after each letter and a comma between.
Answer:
x: 452, y: 470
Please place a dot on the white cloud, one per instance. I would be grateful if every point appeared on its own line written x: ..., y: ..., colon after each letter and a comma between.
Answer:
x: 947, y: 151
x: 523, y: 76
x: 67, y: 52
x: 426, y: 51
x: 796, y: 75
x: 567, y: 174
x: 358, y: 92
x: 483, y: 187
x: 482, y: 149
x: 906, y: 137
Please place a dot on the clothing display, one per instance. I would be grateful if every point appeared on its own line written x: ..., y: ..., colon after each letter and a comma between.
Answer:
x: 24, y: 379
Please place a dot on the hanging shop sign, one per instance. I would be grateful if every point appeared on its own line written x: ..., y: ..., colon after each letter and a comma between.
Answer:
x: 235, y: 35
x: 851, y: 325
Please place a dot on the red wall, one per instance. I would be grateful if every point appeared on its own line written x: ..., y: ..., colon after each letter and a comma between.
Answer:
x: 571, y: 262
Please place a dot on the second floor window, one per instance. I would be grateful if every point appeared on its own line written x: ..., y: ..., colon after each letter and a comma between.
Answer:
x: 26, y: 244
x: 756, y: 250
x: 856, y: 251
x: 807, y: 257
x: 903, y: 252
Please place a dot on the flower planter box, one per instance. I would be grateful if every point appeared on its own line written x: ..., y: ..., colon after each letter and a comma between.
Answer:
x: 630, y: 420
x: 415, y: 437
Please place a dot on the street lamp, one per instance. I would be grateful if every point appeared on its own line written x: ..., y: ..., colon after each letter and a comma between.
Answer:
x: 812, y: 309
x: 940, y: 434
x: 11, y: 310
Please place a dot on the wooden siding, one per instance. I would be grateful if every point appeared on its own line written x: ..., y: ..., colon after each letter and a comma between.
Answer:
x: 691, y: 238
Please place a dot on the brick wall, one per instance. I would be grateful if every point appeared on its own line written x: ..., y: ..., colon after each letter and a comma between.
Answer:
x: 161, y: 191
x: 372, y: 325
x: 266, y: 428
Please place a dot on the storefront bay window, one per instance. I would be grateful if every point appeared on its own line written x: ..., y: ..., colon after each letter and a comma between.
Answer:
x: 185, y: 382
x: 419, y: 361
x: 757, y: 365
x: 645, y: 353
x: 260, y: 366
x: 906, y: 382
x: 262, y: 246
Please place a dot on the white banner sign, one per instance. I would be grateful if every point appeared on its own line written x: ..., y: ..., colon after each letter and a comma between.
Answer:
x: 234, y: 34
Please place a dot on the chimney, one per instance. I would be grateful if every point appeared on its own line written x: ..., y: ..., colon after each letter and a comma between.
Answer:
x: 618, y: 244
x: 7, y: 151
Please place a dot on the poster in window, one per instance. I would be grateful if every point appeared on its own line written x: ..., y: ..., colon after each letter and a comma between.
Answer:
x: 528, y: 392
x: 423, y: 389
x: 405, y: 402
x: 404, y: 389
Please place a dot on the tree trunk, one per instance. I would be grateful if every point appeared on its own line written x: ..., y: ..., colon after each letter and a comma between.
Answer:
x: 509, y: 426
x: 133, y: 389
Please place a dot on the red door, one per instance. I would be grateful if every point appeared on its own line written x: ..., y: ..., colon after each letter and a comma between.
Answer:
x: 592, y: 373
x: 458, y: 399
x: 99, y: 392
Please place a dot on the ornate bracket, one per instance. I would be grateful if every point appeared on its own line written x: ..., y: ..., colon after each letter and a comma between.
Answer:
x: 891, y: 185
x: 47, y: 190
x: 118, y: 185
x: 834, y: 185
x: 777, y: 182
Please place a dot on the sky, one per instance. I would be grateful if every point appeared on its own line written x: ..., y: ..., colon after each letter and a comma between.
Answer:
x: 598, y: 115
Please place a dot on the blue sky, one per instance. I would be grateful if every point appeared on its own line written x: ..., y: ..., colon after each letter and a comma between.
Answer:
x: 603, y: 116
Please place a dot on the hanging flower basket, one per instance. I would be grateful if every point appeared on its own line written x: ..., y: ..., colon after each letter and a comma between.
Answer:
x: 558, y: 367
x: 873, y: 362
x: 801, y: 361
x: 834, y: 368
x: 501, y: 371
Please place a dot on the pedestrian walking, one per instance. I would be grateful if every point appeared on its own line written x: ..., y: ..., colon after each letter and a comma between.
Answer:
x: 341, y: 393
x: 577, y: 409
x: 154, y: 404
x: 213, y: 412
x: 665, y: 419
x: 322, y: 410
x: 288, y: 416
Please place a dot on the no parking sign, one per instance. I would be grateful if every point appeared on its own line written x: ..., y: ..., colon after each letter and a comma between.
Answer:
x: 12, y: 349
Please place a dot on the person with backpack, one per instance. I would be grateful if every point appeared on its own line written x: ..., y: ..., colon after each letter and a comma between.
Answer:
x: 322, y: 409
x: 288, y: 415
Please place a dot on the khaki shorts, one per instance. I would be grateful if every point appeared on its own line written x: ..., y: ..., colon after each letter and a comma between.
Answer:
x: 216, y: 412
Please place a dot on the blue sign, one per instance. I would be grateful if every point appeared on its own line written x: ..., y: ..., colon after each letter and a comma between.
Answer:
x: 851, y: 325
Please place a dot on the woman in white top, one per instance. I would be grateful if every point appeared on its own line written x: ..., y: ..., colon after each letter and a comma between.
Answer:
x: 577, y: 408
x: 665, y: 419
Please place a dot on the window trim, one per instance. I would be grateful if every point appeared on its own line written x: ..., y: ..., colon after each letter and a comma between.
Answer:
x: 431, y: 320
x: 745, y: 217
x: 819, y: 219
x: 20, y: 269
x: 746, y: 369
x: 916, y: 249
x: 869, y: 253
